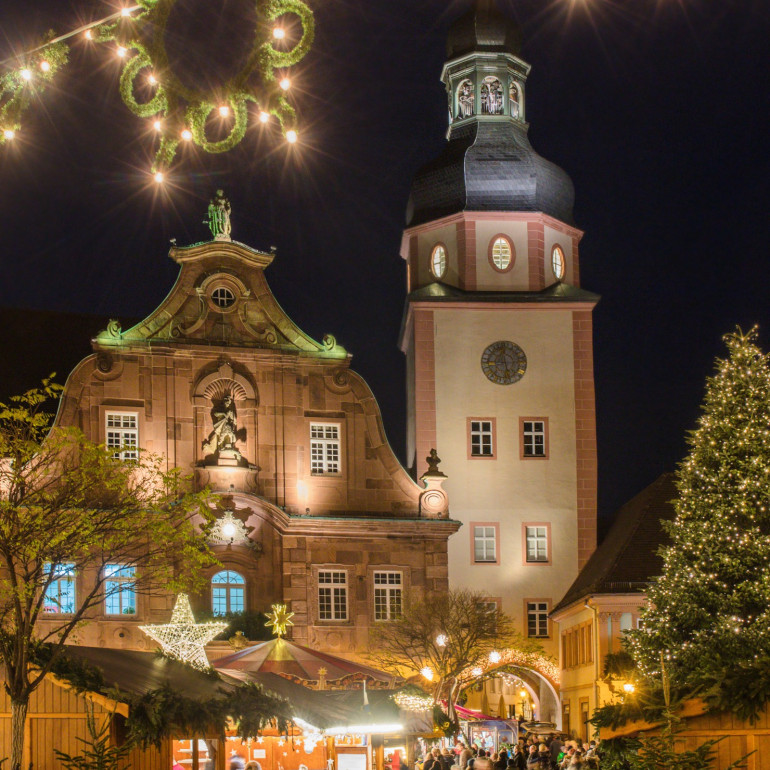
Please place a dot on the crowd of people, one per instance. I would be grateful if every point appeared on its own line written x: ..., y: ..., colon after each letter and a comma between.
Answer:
x: 527, y: 754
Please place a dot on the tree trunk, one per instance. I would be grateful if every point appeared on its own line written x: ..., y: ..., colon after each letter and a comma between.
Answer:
x: 18, y: 724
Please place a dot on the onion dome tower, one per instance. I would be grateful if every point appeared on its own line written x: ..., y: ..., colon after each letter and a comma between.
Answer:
x: 498, y: 338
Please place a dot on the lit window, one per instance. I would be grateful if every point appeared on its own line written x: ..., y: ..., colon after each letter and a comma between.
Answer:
x: 537, y: 544
x: 123, y: 435
x: 533, y: 438
x: 324, y: 448
x: 222, y: 297
x: 119, y: 589
x: 332, y: 595
x: 537, y: 619
x: 482, y: 438
x: 438, y: 261
x: 484, y: 544
x: 557, y: 262
x: 60, y: 594
x: 227, y: 592
x: 387, y: 595
x: 501, y: 253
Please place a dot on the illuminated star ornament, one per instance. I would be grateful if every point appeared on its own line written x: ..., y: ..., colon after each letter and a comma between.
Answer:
x: 279, y: 619
x: 183, y: 638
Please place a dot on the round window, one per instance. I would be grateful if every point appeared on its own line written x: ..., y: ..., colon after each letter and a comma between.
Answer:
x: 558, y: 262
x: 438, y: 261
x: 501, y: 253
x: 223, y: 297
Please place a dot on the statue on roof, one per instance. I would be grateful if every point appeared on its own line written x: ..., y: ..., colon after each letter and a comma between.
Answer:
x: 219, y: 217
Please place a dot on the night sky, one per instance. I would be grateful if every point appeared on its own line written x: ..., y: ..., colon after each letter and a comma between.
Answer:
x: 658, y: 109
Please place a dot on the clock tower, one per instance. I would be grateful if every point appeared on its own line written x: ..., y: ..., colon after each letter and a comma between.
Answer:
x: 498, y: 337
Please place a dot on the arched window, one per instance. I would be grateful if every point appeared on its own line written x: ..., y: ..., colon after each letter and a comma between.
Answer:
x: 513, y: 98
x: 228, y: 589
x: 492, y: 96
x: 438, y: 260
x: 465, y: 99
x: 501, y: 253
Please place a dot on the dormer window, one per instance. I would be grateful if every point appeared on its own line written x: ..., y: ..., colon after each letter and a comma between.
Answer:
x: 491, y: 96
x: 222, y: 297
x: 465, y: 99
x: 438, y: 261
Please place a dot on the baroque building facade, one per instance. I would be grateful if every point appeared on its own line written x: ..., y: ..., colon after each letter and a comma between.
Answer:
x: 314, y: 509
x: 497, y: 332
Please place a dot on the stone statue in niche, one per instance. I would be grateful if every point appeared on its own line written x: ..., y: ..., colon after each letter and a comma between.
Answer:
x: 219, y: 448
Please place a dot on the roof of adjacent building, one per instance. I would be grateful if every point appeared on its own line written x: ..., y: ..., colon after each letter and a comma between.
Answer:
x: 628, y: 557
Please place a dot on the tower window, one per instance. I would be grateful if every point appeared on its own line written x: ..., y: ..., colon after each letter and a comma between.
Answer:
x: 227, y: 592
x: 513, y: 99
x: 438, y: 260
x: 491, y: 96
x: 222, y: 297
x: 481, y: 438
x: 558, y: 262
x: 501, y: 253
x: 465, y: 99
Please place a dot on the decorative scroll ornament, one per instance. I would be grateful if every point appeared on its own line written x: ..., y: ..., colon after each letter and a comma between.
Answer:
x: 279, y: 619
x: 181, y: 111
x: 183, y: 638
x: 229, y: 530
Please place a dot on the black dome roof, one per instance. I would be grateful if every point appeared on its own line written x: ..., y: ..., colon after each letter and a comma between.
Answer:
x: 489, y: 166
x: 483, y: 28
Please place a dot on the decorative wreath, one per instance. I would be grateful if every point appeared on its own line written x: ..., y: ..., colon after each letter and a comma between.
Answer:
x: 181, y: 108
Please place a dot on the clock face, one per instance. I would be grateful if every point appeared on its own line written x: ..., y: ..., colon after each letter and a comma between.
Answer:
x: 504, y: 362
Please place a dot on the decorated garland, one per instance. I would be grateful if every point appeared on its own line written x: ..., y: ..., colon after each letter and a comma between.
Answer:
x: 179, y: 112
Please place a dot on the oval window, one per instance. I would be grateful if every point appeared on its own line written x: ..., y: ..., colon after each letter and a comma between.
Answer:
x: 438, y: 261
x: 222, y: 297
x: 558, y: 262
x: 501, y: 253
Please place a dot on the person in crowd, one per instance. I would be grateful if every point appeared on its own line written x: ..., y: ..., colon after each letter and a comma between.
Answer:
x: 556, y: 749
x: 446, y: 758
x: 253, y: 765
x: 482, y: 761
x: 518, y: 760
x: 432, y: 761
x: 465, y: 755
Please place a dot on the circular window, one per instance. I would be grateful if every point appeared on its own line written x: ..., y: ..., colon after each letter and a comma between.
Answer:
x: 501, y: 253
x: 558, y: 262
x: 438, y: 260
x: 222, y: 297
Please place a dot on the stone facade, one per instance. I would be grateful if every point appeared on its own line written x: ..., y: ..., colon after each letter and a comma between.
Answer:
x: 221, y: 383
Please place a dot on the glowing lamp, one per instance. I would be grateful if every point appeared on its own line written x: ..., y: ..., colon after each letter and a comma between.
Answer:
x: 224, y: 111
x: 26, y: 74
x: 125, y: 12
x: 494, y: 656
x: 441, y: 640
x: 45, y: 66
x: 157, y: 125
x: 628, y: 687
x: 122, y: 52
x: 89, y: 35
x: 478, y: 671
x: 285, y: 84
x: 522, y: 694
x: 264, y: 117
x: 152, y: 80
x: 427, y: 673
x: 229, y: 530
x: 187, y: 135
x: 159, y: 177
x: 279, y: 33
x: 291, y: 136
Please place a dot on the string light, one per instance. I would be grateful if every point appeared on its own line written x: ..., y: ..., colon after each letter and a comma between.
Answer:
x: 45, y: 66
x: 279, y: 33
x: 152, y: 80
x: 291, y: 136
x: 121, y: 51
x: 88, y: 35
x: 159, y: 177
x: 186, y: 135
x: 9, y: 133
x: 264, y: 117
x: 224, y: 111
x: 441, y: 640
x: 26, y: 74
x: 412, y: 701
x: 285, y: 84
x: 157, y: 125
x: 125, y: 12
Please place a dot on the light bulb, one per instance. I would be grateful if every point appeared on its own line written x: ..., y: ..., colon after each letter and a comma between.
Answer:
x: 159, y: 177
x: 478, y: 671
x: 494, y: 656
x: 441, y: 640
x: 151, y: 79
x: 45, y: 66
x: 285, y: 84
x: 228, y: 530
x: 224, y: 111
x: 264, y: 117
x: 157, y: 125
x: 291, y: 136
x: 427, y: 673
x: 9, y: 133
x: 26, y: 74
x: 522, y: 693
x: 628, y: 687
x: 125, y: 12
x: 187, y: 135
x: 122, y: 51
x: 89, y: 35
x: 279, y: 33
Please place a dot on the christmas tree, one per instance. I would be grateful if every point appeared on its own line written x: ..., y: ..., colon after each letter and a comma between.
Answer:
x: 709, y: 612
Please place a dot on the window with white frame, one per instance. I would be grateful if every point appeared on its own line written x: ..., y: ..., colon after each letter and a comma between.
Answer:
x: 122, y: 435
x: 537, y: 619
x: 537, y: 544
x: 388, y: 595
x: 332, y: 595
x: 324, y: 448
x: 60, y: 594
x: 119, y: 589
x: 533, y: 438
x: 484, y: 543
x: 482, y: 438
x: 228, y: 589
